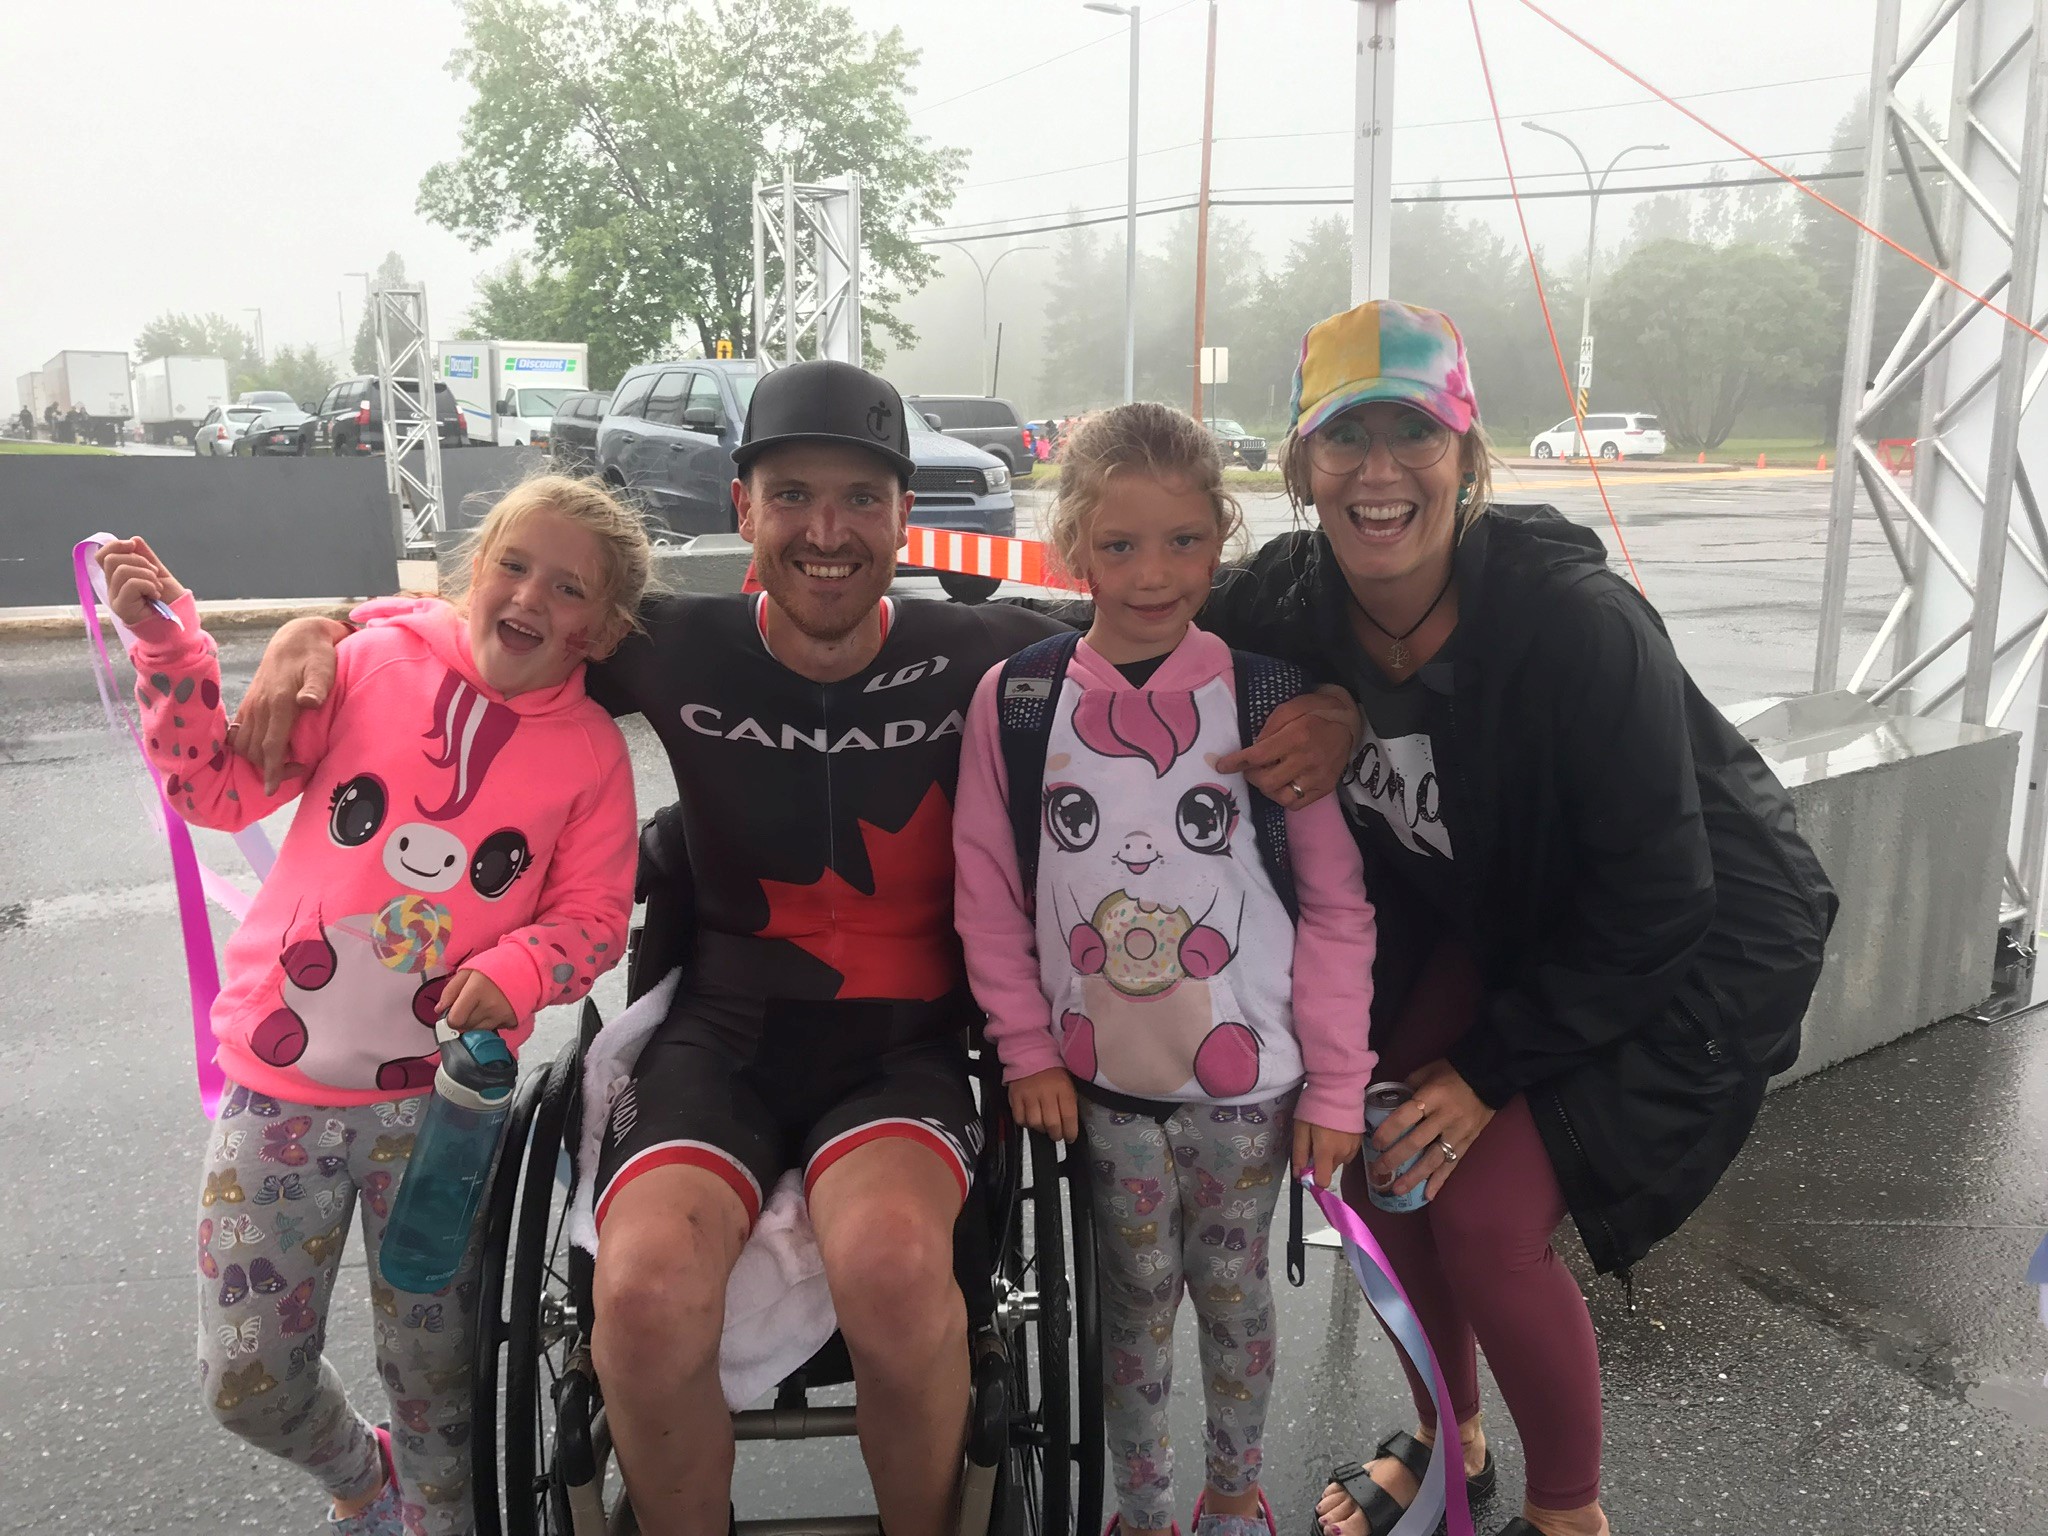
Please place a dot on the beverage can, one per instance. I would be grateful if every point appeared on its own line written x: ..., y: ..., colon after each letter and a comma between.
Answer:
x: 1381, y: 1100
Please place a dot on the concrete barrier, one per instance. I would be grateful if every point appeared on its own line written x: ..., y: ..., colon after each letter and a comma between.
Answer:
x: 230, y: 528
x: 1909, y: 819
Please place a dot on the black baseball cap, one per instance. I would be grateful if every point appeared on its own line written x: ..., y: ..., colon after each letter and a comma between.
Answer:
x: 827, y: 402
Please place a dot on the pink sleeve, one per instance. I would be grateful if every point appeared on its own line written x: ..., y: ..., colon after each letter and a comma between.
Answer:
x: 580, y: 930
x: 1334, y: 941
x: 989, y: 906
x: 185, y: 726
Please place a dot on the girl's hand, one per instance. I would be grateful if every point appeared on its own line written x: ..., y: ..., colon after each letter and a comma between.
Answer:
x: 1444, y: 1111
x: 1303, y: 749
x: 472, y: 1001
x: 1325, y: 1150
x: 134, y: 577
x: 1046, y: 1101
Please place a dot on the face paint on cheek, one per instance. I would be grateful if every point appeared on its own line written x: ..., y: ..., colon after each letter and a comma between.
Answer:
x: 578, y: 642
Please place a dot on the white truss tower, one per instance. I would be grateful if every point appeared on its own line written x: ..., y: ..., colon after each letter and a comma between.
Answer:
x: 1965, y: 635
x: 405, y: 372
x: 807, y: 269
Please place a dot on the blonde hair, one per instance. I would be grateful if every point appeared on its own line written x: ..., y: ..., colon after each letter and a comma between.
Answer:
x: 1475, y: 465
x: 1154, y: 440
x: 625, y: 558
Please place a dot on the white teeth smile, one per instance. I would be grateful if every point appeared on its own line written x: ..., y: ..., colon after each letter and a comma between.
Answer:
x: 1380, y: 520
x: 826, y: 572
x: 518, y: 628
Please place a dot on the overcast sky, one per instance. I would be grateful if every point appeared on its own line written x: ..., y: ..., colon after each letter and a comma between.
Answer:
x: 210, y: 156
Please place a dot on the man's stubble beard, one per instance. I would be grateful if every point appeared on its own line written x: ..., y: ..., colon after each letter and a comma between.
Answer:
x: 784, y: 586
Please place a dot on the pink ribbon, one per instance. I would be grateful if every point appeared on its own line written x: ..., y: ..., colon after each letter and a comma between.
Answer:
x: 194, y: 881
x: 1442, y: 1496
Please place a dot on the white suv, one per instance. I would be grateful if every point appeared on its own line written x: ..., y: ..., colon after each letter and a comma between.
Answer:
x: 1629, y: 436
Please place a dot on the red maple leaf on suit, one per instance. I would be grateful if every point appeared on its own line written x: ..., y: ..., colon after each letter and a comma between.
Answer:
x: 897, y: 940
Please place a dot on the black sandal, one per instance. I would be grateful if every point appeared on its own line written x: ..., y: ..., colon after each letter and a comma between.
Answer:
x: 1381, y: 1509
x: 1518, y: 1527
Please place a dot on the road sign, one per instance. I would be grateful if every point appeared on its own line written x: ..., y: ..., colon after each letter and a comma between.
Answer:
x: 1215, y: 365
x: 1585, y: 363
x: 723, y: 348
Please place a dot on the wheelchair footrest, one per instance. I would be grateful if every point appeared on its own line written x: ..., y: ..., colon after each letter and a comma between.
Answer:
x: 793, y: 1424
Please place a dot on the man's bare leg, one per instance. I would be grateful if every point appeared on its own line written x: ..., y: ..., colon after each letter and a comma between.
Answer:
x: 671, y: 1238
x: 884, y: 1215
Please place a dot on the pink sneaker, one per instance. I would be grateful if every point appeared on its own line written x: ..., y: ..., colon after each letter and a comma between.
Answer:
x: 1116, y: 1523
x: 382, y: 1515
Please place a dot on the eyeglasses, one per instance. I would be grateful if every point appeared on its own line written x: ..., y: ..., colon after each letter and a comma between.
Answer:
x: 1343, y: 445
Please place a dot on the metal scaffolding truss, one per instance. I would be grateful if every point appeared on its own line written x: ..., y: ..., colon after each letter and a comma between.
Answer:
x: 807, y: 269
x: 1965, y: 635
x: 405, y: 382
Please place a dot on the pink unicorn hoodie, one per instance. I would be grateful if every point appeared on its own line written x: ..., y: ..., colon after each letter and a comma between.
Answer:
x: 440, y: 825
x: 1160, y: 962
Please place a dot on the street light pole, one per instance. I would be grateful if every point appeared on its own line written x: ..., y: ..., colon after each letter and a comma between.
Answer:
x: 1595, y: 188
x: 1202, y: 215
x: 1130, y: 207
x: 985, y: 276
x: 261, y: 358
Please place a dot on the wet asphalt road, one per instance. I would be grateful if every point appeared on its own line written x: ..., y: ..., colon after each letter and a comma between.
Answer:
x: 1839, y: 1343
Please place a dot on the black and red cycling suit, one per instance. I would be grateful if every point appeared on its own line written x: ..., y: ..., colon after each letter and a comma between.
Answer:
x: 824, y: 1004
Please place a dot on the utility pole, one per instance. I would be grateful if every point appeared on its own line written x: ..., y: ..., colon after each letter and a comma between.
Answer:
x: 1372, y: 153
x: 1202, y: 217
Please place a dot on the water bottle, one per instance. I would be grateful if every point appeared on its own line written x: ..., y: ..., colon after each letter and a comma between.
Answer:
x: 451, y: 1161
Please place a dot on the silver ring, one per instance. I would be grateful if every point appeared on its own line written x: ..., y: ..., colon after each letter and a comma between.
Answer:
x: 1299, y: 792
x: 1450, y: 1152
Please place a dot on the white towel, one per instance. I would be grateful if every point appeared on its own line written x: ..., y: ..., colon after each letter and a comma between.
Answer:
x: 778, y: 1311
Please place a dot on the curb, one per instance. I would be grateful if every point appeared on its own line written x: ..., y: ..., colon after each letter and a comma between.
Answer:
x: 1625, y: 466
x: 46, y: 623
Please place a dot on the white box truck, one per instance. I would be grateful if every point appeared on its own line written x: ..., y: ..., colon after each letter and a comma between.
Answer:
x: 173, y: 395
x: 96, y: 383
x: 508, y: 390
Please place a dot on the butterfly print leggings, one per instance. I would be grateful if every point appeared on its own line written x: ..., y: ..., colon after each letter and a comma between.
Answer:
x: 282, y: 1181
x: 1185, y: 1203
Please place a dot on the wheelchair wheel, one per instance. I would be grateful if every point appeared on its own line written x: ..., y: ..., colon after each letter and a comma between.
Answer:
x: 1051, y: 1481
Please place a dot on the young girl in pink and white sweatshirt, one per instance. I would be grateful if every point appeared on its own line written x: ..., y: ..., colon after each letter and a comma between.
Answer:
x: 464, y: 846
x: 1148, y: 989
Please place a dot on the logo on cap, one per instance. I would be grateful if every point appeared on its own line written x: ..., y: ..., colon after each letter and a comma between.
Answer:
x: 878, y: 420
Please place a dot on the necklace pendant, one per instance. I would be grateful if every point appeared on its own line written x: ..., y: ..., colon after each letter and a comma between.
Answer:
x: 1397, y: 658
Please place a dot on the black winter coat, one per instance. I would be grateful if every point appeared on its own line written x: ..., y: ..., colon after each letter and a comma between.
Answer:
x: 1647, y: 921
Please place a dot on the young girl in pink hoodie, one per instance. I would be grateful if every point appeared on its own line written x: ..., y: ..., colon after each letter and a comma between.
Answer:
x: 464, y: 846
x: 1147, y: 988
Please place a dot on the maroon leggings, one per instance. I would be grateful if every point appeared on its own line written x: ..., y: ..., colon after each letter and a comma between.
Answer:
x: 1478, y: 1265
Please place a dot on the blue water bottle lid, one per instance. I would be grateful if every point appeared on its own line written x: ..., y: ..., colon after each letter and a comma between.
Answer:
x: 479, y: 1063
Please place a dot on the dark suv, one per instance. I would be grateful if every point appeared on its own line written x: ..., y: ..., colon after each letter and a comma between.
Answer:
x: 989, y: 424
x: 669, y: 433
x: 572, y: 435
x: 349, y: 419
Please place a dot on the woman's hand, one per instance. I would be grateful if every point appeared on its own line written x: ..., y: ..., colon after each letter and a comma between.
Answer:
x: 1325, y: 1150
x: 472, y: 1001
x: 1443, y: 1112
x: 295, y: 674
x: 1303, y: 749
x: 135, y: 578
x: 1046, y: 1101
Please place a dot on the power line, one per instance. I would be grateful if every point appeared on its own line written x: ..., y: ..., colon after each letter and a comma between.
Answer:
x: 1104, y: 216
x: 1345, y: 133
x: 1097, y: 42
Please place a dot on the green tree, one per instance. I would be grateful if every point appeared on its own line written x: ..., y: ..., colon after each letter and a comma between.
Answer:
x: 1705, y: 330
x: 390, y: 273
x: 1313, y: 283
x: 210, y: 335
x: 304, y: 373
x: 1084, y: 323
x: 626, y: 136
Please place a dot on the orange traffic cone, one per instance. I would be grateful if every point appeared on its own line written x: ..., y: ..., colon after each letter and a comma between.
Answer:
x: 1823, y: 464
x: 1759, y: 461
x: 1703, y: 456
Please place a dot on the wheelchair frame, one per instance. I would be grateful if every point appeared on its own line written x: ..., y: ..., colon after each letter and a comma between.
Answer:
x: 543, y: 1466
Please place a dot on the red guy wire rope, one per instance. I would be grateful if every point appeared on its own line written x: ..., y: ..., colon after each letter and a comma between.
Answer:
x: 1529, y: 246
x: 1928, y: 267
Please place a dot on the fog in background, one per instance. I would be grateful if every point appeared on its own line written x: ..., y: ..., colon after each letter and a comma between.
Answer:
x: 213, y: 157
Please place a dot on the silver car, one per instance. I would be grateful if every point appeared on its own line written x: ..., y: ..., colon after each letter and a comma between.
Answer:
x: 214, y: 438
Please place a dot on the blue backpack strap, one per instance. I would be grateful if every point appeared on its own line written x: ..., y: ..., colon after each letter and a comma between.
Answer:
x: 1263, y: 685
x: 1024, y: 709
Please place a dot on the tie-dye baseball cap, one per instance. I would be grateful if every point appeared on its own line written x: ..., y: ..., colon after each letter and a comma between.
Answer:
x: 1383, y: 351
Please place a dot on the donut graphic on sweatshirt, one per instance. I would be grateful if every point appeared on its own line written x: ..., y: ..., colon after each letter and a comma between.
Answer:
x: 1146, y: 864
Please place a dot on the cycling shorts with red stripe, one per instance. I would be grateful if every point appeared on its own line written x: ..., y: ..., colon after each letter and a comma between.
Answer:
x: 801, y: 1094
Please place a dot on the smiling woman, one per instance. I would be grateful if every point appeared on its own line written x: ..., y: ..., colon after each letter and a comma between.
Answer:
x: 1599, y: 926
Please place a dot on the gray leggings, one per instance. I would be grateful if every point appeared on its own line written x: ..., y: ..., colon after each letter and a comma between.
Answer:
x: 1187, y: 1203
x: 281, y: 1183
